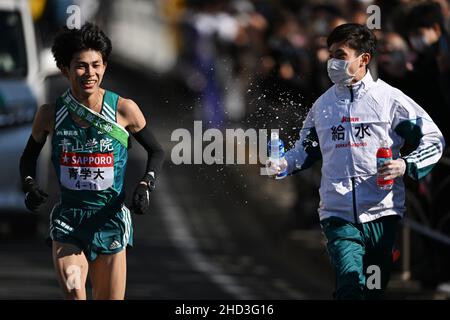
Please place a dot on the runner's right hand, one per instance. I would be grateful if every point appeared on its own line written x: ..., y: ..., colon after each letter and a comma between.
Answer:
x: 34, y: 197
x: 273, y: 170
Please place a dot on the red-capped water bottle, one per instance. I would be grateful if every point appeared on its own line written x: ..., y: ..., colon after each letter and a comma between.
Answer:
x: 384, y: 154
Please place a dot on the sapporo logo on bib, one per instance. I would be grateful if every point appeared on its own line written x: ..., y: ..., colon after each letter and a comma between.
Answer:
x: 87, y: 171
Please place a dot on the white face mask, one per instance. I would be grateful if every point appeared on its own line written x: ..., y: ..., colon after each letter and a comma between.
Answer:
x: 338, y: 70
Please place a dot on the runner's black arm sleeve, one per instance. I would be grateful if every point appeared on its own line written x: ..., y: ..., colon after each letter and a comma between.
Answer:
x: 29, y: 158
x: 154, y: 150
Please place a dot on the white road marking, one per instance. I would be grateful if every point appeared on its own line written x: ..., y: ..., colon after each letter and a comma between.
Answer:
x: 182, y: 237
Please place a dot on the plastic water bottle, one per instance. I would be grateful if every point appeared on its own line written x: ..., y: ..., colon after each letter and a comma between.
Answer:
x: 276, y: 153
x: 384, y: 154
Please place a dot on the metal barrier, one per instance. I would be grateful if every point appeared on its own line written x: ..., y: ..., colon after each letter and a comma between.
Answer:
x: 409, y: 225
x: 422, y: 229
x: 427, y: 231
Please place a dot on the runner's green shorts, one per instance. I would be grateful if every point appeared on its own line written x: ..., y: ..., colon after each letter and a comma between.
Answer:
x: 94, y: 231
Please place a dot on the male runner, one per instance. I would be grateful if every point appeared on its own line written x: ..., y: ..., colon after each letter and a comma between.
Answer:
x: 344, y: 128
x: 90, y: 227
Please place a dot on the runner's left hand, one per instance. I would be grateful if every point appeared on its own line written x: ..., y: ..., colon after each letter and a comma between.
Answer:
x: 34, y: 197
x: 141, y: 198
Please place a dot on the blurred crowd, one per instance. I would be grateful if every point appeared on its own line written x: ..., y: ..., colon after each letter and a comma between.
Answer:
x: 263, y: 62
x: 268, y: 58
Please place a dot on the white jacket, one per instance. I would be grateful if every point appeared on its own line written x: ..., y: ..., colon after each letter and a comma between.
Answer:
x: 345, y: 127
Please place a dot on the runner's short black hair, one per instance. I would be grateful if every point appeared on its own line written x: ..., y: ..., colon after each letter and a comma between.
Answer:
x: 356, y: 36
x: 70, y: 41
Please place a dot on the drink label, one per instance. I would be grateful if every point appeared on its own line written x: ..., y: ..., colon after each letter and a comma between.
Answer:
x: 276, y: 149
x: 276, y: 153
x: 381, y: 161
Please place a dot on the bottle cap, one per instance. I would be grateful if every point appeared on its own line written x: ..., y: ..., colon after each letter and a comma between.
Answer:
x: 274, y: 136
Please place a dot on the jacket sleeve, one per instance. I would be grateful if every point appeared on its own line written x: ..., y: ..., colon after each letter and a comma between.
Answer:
x: 417, y: 128
x: 306, y: 149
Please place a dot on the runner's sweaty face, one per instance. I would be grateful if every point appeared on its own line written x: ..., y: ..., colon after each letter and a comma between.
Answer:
x: 86, y: 71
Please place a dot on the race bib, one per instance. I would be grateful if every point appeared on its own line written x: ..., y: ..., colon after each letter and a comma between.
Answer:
x: 87, y: 171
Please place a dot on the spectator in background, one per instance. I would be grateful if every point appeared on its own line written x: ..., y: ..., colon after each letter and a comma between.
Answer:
x: 430, y: 40
x: 321, y: 81
x: 286, y: 68
x: 289, y: 48
x: 445, y: 9
x: 206, y: 23
x: 393, y: 61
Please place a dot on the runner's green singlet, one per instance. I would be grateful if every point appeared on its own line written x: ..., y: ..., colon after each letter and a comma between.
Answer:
x: 90, y: 165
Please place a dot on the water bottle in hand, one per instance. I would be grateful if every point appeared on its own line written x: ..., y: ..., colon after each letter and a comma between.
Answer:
x: 276, y: 153
x: 384, y: 154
